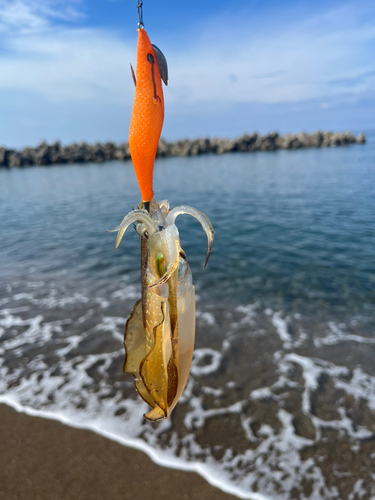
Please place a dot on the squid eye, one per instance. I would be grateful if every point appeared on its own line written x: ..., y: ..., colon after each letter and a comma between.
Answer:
x: 160, y: 265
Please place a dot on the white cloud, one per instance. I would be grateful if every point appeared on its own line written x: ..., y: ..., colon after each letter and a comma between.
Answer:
x: 60, y: 63
x: 319, y: 58
x: 67, y: 65
x: 293, y: 64
x: 20, y: 16
x: 298, y: 61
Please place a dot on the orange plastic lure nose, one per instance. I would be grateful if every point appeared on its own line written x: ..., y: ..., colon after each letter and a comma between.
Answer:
x: 147, y: 116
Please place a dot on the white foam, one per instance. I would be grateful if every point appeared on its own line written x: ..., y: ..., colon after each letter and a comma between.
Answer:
x: 128, y: 292
x: 197, y: 416
x: 337, y: 335
x: 212, y: 367
x: 361, y: 385
x: 282, y: 329
x: 60, y: 392
x: 249, y: 312
x: 312, y: 370
x: 206, y: 317
x: 212, y: 392
x: 358, y: 491
x: 263, y: 393
x: 112, y: 324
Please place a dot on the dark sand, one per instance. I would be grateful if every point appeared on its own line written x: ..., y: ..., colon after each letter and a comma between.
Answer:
x: 42, y: 459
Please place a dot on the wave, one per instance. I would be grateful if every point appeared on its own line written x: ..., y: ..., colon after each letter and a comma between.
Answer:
x: 271, y: 401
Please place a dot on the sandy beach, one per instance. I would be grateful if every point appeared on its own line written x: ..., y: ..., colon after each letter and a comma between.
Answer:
x: 44, y: 460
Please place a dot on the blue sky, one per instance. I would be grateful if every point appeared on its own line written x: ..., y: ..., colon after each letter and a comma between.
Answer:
x: 234, y: 67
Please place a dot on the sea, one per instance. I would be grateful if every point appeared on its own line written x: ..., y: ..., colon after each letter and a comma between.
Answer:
x: 280, y: 403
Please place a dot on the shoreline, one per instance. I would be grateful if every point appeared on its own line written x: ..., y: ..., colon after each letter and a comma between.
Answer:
x: 44, y: 443
x: 56, y: 153
x: 43, y: 458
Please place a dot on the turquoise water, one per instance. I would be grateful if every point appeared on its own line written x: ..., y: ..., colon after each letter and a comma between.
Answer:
x: 285, y: 311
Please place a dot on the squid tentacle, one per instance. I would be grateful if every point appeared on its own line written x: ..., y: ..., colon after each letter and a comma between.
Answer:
x: 201, y: 217
x: 133, y: 216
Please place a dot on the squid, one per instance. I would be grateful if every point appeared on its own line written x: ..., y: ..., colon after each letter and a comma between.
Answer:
x: 160, y: 332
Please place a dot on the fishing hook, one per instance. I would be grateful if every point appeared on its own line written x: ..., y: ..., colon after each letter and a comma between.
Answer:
x: 140, y: 15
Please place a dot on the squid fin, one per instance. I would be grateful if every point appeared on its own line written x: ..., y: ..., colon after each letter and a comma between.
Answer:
x: 155, y: 415
x: 136, y: 350
x: 154, y: 367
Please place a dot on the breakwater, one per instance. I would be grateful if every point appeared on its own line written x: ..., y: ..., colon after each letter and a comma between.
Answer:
x: 48, y: 154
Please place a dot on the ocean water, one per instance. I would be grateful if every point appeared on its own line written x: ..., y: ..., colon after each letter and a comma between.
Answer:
x: 280, y: 403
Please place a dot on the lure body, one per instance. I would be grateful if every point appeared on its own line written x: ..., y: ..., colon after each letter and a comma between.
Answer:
x: 148, y: 114
x: 159, y: 335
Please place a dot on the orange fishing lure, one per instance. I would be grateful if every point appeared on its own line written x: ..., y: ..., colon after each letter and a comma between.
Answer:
x: 148, y: 111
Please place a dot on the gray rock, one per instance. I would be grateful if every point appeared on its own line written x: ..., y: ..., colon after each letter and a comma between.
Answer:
x: 2, y: 157
x: 45, y: 154
x: 361, y: 138
x: 122, y: 152
x: 14, y: 159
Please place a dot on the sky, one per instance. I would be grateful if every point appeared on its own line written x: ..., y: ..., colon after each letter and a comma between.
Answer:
x: 234, y: 67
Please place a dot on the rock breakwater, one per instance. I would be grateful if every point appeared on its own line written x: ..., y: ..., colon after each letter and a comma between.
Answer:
x: 48, y: 154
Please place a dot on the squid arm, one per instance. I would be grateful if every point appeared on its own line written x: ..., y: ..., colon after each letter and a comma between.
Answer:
x: 201, y: 217
x: 131, y: 218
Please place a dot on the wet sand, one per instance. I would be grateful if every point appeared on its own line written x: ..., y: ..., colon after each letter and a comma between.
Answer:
x: 42, y: 459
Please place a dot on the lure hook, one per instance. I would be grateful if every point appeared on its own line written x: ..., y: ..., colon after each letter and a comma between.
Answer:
x: 140, y: 15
